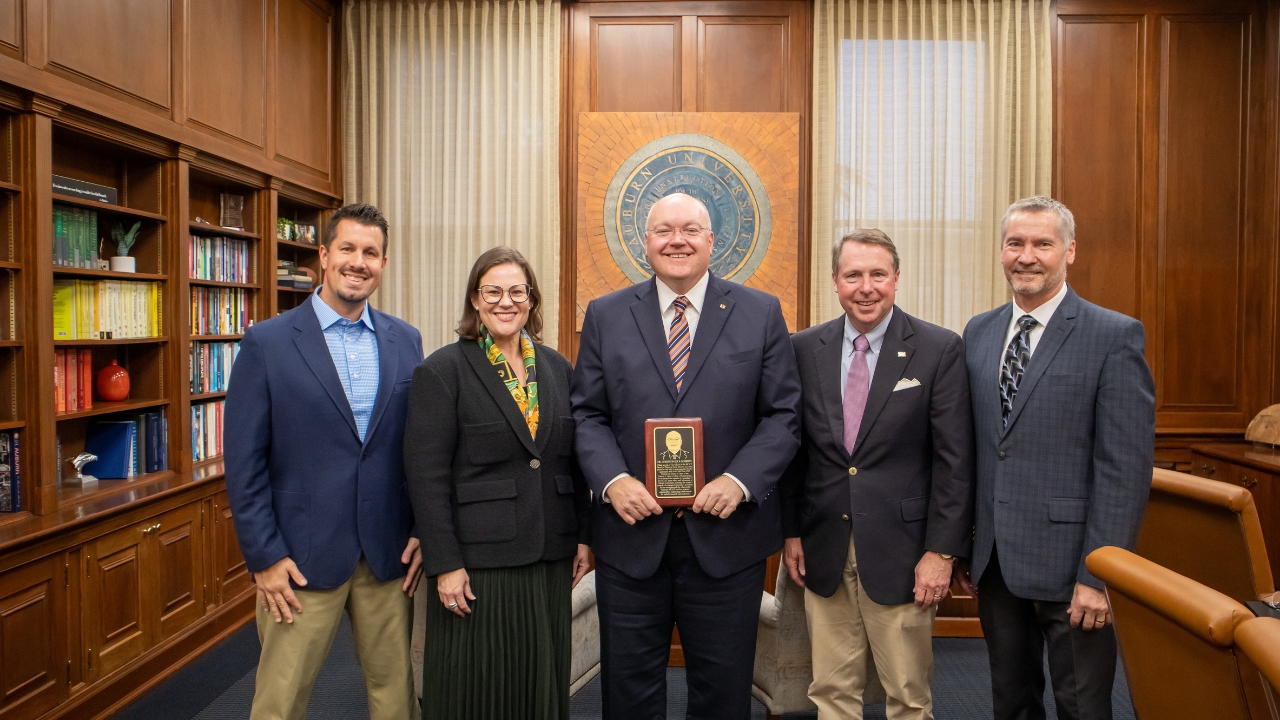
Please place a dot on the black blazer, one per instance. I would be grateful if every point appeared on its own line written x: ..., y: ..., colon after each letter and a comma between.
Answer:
x: 913, y: 487
x: 485, y: 493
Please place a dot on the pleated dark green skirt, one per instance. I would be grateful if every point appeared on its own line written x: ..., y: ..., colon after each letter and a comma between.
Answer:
x: 509, y: 659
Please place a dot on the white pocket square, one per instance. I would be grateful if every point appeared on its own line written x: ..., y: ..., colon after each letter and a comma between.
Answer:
x: 905, y: 383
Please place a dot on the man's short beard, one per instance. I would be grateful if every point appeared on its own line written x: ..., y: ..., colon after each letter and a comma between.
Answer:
x: 348, y: 297
x: 1047, y: 281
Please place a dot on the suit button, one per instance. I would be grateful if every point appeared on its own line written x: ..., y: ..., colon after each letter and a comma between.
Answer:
x: 535, y: 464
x: 853, y: 471
x: 362, y: 456
x: 1001, y: 455
x: 845, y: 517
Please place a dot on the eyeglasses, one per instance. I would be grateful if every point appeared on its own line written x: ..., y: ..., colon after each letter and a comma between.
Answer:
x: 690, y: 232
x: 492, y: 294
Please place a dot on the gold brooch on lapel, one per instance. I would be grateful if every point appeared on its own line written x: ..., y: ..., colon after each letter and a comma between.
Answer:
x: 902, y: 353
x: 721, y: 306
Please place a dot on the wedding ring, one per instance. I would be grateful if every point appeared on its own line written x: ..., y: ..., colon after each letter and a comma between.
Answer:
x: 452, y: 605
x: 715, y: 510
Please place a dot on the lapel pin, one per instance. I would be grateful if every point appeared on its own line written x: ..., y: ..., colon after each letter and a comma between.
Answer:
x: 902, y: 353
x: 721, y: 306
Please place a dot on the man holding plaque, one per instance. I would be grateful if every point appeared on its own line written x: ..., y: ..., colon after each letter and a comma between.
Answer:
x: 879, y: 501
x: 683, y: 379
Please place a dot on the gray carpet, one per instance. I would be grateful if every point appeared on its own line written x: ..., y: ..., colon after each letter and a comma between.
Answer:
x: 219, y: 686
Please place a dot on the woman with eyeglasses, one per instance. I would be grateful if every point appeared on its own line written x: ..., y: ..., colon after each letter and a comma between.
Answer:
x: 501, y: 506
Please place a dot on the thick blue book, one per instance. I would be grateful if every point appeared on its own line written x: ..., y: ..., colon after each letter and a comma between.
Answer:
x: 113, y: 441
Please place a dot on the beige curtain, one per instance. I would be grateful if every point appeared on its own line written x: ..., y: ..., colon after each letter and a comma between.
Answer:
x: 930, y: 118
x: 451, y: 127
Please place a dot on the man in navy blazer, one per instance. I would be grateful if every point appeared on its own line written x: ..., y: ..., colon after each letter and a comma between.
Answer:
x: 1064, y: 428
x: 684, y: 344
x: 314, y: 465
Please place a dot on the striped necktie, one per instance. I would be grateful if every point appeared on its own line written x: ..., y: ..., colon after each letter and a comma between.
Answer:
x: 1015, y: 362
x: 678, y: 341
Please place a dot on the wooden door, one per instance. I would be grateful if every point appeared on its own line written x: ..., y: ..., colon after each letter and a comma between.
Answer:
x: 116, y: 618
x: 33, y: 656
x: 175, y: 563
x: 230, y: 575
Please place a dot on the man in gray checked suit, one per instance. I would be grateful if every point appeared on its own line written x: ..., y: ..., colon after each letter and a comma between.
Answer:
x: 1064, y: 429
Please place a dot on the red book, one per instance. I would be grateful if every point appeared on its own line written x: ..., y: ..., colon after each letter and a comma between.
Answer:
x: 73, y: 381
x: 59, y: 387
x: 86, y: 379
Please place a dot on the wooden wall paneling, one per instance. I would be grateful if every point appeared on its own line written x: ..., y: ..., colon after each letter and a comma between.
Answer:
x: 73, y: 564
x: 121, y: 48
x: 618, y: 82
x: 179, y: 292
x: 743, y: 64
x: 32, y: 639
x: 1093, y: 52
x: 178, y: 564
x: 11, y: 30
x: 116, y: 609
x: 226, y: 93
x: 1204, y: 119
x: 303, y: 87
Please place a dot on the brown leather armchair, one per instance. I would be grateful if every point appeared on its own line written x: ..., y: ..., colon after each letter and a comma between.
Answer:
x: 1259, y: 640
x: 1207, y: 531
x: 1177, y: 640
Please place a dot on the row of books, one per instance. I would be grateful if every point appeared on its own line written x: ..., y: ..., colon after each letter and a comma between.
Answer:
x: 127, y: 445
x: 220, y: 311
x: 105, y: 309
x: 211, y: 365
x: 288, y: 274
x: 72, y: 380
x: 10, y: 471
x: 206, y: 430
x: 75, y: 237
x: 220, y: 258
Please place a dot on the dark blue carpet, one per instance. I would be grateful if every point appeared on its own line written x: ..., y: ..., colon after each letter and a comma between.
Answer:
x: 219, y: 686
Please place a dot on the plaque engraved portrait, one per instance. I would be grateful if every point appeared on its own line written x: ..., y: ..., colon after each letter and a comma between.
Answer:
x: 673, y: 449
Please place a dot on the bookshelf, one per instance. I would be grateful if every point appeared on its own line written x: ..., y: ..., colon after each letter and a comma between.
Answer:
x: 299, y: 211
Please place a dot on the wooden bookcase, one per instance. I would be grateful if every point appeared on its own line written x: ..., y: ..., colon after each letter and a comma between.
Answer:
x: 117, y: 583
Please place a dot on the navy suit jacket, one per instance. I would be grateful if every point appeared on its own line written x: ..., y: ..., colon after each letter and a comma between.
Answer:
x: 913, y: 486
x: 301, y: 483
x: 1071, y: 471
x: 741, y: 380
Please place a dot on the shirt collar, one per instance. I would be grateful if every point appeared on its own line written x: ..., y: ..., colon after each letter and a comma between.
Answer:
x: 1045, y: 312
x: 328, y: 316
x: 695, y: 296
x: 875, y: 338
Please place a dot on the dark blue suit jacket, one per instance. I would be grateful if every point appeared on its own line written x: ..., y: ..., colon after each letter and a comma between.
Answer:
x: 741, y: 380
x: 1071, y: 471
x: 300, y: 482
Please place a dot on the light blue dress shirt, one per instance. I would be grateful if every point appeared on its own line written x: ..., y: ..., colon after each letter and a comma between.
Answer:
x: 875, y: 339
x: 354, y: 349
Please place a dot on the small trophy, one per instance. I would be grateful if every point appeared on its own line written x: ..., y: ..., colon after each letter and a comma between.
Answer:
x: 673, y: 459
x: 79, y: 478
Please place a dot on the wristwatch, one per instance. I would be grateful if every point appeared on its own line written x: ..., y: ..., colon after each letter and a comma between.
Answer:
x: 945, y: 556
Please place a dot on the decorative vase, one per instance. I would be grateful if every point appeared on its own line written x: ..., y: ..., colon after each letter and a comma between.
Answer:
x: 124, y: 263
x: 113, y: 383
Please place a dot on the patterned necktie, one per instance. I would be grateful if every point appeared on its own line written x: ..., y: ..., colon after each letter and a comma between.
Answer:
x: 1015, y: 362
x: 678, y: 341
x: 857, y: 385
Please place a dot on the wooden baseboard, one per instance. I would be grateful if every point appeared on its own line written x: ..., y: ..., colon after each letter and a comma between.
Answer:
x: 107, y: 696
x: 962, y: 627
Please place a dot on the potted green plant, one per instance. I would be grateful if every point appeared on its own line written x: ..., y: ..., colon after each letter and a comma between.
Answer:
x: 121, y: 262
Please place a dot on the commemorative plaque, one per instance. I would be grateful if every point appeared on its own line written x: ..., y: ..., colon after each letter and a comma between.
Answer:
x: 673, y: 460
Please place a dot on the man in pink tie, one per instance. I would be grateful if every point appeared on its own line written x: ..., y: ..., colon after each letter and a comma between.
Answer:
x: 879, y: 501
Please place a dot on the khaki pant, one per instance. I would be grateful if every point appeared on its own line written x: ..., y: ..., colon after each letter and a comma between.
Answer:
x: 381, y: 621
x: 843, y: 627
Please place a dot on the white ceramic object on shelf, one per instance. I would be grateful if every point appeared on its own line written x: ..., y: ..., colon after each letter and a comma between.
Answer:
x: 124, y: 263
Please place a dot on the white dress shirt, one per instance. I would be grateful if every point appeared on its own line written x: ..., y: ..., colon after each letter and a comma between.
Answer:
x: 666, y: 299
x: 875, y: 340
x: 1042, y: 314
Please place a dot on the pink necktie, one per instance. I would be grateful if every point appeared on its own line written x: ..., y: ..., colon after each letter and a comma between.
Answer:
x: 856, y: 386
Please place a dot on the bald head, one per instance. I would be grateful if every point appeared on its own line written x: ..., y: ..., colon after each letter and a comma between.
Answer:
x: 677, y: 241
x: 678, y: 201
